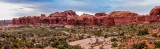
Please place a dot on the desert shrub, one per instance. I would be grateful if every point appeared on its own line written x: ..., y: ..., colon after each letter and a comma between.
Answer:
x: 143, y: 32
x: 1, y: 44
x: 60, y: 47
x: 59, y: 43
x: 106, y: 36
x: 121, y: 47
x: 98, y: 33
x: 54, y: 44
x: 20, y: 43
x: 154, y: 35
x: 114, y: 44
x: 89, y: 36
x: 114, y: 40
x: 150, y: 42
x: 64, y: 43
x: 73, y: 31
x: 40, y: 45
x: 121, y: 33
x: 75, y: 47
x: 139, y: 45
x: 29, y: 44
x: 7, y: 46
x: 81, y: 37
x: 157, y: 44
x: 148, y: 48
x: 119, y: 28
x: 15, y: 46
x: 101, y: 47
x: 4, y: 36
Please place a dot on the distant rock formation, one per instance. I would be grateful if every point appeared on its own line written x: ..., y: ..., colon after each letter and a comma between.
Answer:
x: 70, y: 17
x: 4, y: 22
x: 100, y: 14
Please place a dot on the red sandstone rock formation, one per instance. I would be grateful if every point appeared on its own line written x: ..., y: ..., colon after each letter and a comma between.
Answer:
x: 155, y: 11
x: 100, y: 14
x: 142, y: 19
x: 70, y: 17
x: 123, y: 17
x: 70, y: 13
x: 122, y: 14
x: 86, y: 19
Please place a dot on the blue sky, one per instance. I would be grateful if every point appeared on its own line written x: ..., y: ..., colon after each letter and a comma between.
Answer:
x: 18, y: 8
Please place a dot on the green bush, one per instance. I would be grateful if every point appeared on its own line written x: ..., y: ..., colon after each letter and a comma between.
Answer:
x: 40, y: 45
x: 75, y: 47
x: 81, y: 37
x: 114, y: 44
x: 154, y: 35
x: 54, y: 44
x: 114, y: 40
x: 98, y: 33
x: 120, y: 47
x: 65, y: 44
x: 139, y: 46
x: 143, y: 32
x: 73, y: 31
x: 157, y: 44
x: 29, y: 45
x: 60, y: 47
x: 16, y: 46
x: 106, y: 36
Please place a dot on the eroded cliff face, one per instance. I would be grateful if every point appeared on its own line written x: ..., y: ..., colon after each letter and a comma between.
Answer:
x: 123, y: 17
x: 70, y: 17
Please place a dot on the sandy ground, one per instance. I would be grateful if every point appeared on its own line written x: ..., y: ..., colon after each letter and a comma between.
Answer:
x: 86, y: 43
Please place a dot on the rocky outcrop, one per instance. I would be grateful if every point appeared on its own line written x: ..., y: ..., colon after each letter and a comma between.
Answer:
x: 155, y: 11
x: 142, y: 19
x: 100, y: 14
x: 122, y: 14
x: 69, y: 17
x: 123, y: 17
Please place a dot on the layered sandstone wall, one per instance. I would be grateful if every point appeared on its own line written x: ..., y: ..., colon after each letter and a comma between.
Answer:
x: 70, y: 17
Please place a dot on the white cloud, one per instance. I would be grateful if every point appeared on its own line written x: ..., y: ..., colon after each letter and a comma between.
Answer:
x: 6, y: 11
x: 81, y: 13
x: 138, y: 6
x: 9, y: 11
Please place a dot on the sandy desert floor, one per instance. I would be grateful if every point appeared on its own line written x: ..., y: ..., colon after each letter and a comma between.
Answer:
x: 91, y: 43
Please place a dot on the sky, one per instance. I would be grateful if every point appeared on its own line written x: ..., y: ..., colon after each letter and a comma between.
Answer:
x: 10, y: 9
